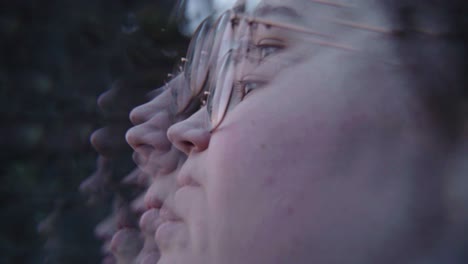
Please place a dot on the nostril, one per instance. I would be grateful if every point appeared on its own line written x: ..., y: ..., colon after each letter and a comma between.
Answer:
x: 187, y: 145
x: 190, y: 134
x: 175, y: 136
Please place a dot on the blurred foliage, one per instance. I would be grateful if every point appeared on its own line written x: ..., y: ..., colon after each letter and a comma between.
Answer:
x: 56, y: 57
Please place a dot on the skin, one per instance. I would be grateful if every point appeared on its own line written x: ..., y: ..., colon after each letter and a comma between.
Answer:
x: 104, y: 231
x: 121, y: 238
x: 157, y: 157
x: 118, y: 231
x: 322, y: 164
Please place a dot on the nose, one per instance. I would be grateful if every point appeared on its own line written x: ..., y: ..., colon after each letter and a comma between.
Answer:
x: 162, y: 101
x: 151, y: 133
x: 145, y: 112
x: 191, y: 134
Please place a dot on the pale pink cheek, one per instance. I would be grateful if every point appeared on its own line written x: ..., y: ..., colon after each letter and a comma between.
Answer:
x: 252, y: 167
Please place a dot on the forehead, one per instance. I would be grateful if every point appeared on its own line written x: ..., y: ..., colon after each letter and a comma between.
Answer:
x: 317, y: 13
x: 303, y: 13
x: 297, y: 11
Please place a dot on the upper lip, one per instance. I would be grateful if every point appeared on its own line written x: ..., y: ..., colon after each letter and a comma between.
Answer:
x: 184, y: 178
x: 153, y: 202
x: 166, y: 213
x: 139, y: 159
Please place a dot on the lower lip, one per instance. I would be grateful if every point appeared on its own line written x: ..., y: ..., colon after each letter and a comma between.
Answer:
x: 168, y: 233
x: 149, y: 221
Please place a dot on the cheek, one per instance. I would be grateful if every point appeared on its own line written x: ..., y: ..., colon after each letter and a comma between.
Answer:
x: 261, y: 154
x: 270, y: 167
x: 263, y: 188
x: 251, y: 150
x: 297, y: 201
x: 239, y: 166
x: 256, y: 178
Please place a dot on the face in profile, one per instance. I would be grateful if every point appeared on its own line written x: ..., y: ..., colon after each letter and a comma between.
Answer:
x: 317, y: 157
x: 157, y: 157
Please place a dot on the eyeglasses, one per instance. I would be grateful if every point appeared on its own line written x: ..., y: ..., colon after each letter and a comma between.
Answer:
x: 197, y: 62
x: 214, y: 52
x: 220, y: 53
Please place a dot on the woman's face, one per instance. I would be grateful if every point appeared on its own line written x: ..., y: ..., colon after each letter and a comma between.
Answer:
x: 156, y: 157
x: 315, y: 166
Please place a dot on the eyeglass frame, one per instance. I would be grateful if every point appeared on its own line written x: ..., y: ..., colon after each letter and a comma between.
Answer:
x: 213, y: 59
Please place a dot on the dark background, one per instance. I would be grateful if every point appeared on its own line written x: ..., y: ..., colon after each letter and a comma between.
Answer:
x: 56, y: 57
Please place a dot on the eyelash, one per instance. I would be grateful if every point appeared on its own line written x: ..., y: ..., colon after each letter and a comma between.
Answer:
x: 266, y: 50
x: 269, y: 46
x: 244, y: 87
x: 248, y: 86
x: 240, y: 87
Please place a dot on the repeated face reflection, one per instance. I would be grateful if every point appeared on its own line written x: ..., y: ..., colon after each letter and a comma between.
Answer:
x: 157, y: 157
x: 316, y: 165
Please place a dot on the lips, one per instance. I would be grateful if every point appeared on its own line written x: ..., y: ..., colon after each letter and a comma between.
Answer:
x: 186, y: 180
x: 172, y: 232
x: 167, y: 214
x: 151, y: 213
x: 150, y: 221
x: 151, y: 201
x: 126, y: 243
x: 138, y: 205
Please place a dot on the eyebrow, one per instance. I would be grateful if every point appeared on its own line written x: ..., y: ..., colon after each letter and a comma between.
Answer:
x: 275, y: 10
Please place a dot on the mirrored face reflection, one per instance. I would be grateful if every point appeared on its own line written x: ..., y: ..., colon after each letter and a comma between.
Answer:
x: 157, y: 157
x: 316, y: 165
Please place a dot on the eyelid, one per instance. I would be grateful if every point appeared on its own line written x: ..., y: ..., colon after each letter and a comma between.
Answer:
x: 256, y: 80
x: 269, y: 46
x: 270, y: 42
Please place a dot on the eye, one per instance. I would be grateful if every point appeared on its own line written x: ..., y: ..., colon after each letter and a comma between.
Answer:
x: 266, y: 51
x: 269, y: 47
x: 250, y: 86
x: 246, y: 86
